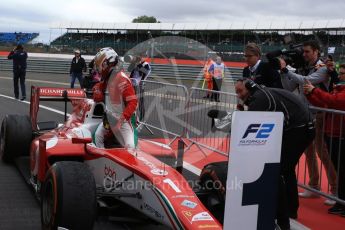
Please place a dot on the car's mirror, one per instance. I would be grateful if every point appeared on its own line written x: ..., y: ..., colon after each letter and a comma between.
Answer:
x: 46, y: 125
x: 81, y: 140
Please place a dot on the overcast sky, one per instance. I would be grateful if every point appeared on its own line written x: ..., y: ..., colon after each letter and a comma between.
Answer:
x: 39, y: 15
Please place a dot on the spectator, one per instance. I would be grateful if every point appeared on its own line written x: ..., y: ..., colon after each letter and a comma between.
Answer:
x: 19, y: 56
x: 334, y: 129
x: 332, y: 73
x: 217, y: 71
x: 95, y: 76
x: 316, y: 73
x: 298, y: 133
x: 140, y: 71
x: 208, y: 77
x: 92, y: 78
x: 259, y: 71
x: 78, y: 65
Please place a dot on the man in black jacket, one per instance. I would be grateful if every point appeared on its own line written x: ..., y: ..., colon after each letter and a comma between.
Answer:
x: 19, y: 57
x: 259, y: 71
x: 140, y: 70
x: 78, y: 65
x: 298, y: 133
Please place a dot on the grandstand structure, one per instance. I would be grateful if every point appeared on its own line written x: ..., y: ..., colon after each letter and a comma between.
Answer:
x: 227, y: 39
x: 16, y: 38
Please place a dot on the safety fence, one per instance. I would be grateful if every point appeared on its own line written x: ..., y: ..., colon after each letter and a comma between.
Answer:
x: 322, y: 168
x: 200, y: 114
x: 162, y: 107
x: 179, y: 113
x: 189, y: 116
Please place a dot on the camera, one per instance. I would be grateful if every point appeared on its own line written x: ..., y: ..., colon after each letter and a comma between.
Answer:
x: 292, y: 56
x: 221, y: 120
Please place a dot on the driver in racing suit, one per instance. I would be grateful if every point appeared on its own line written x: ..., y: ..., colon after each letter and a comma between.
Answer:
x: 116, y: 90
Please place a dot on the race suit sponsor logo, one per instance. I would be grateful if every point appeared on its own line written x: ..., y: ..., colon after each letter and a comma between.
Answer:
x: 189, y: 204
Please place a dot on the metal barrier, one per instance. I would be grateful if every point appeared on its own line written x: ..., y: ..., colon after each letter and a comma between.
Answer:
x: 162, y: 108
x: 199, y: 129
x: 180, y: 115
x: 61, y: 66
x: 329, y: 146
x: 177, y: 114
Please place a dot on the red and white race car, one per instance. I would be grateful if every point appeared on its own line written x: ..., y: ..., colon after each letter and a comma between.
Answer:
x: 74, y: 179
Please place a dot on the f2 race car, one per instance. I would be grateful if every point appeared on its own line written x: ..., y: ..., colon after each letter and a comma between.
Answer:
x: 74, y: 179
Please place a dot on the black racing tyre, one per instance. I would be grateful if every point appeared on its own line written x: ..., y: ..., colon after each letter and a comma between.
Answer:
x: 213, y: 180
x: 16, y: 137
x: 68, y: 197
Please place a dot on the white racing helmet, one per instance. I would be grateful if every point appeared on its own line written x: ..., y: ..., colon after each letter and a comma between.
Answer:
x: 104, y: 58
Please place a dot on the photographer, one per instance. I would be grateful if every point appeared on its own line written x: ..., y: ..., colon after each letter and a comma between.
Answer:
x: 334, y: 129
x: 259, y: 71
x: 316, y: 73
x: 19, y: 57
x: 298, y: 133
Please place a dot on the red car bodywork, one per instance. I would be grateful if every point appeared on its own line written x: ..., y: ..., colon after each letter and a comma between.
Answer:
x: 168, y: 199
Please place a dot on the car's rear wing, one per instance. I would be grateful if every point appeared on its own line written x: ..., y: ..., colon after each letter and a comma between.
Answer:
x: 51, y: 94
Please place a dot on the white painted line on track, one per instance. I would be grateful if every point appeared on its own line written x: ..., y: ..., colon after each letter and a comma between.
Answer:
x: 41, y: 106
x: 38, y: 81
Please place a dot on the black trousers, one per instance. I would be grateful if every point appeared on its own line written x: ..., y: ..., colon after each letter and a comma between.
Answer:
x: 295, y: 141
x: 139, y: 91
x: 19, y: 75
x: 336, y: 147
x: 141, y: 105
x: 217, y: 85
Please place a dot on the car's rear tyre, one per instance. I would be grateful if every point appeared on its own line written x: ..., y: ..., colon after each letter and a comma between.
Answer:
x: 16, y: 137
x: 213, y: 181
x: 68, y: 197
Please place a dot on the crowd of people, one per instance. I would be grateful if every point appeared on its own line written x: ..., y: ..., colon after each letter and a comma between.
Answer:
x: 293, y: 91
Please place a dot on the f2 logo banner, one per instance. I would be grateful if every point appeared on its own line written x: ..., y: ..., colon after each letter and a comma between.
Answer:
x: 261, y: 130
x: 255, y: 163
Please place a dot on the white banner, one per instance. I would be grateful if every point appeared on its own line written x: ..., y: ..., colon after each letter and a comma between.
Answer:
x: 254, y: 165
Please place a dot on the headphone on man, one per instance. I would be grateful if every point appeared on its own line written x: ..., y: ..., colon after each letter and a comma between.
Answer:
x: 250, y: 84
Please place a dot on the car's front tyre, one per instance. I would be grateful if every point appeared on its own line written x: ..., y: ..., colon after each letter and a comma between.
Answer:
x: 68, y: 197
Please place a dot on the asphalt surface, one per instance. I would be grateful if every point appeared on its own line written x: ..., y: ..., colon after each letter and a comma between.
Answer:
x: 19, y: 208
